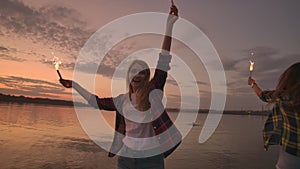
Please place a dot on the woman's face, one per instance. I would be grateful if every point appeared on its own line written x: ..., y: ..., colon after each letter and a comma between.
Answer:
x: 137, y: 76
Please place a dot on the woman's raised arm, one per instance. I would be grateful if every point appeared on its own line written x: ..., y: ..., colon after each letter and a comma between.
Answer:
x: 172, y: 18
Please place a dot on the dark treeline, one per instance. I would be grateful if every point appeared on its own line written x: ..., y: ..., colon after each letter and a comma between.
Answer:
x: 233, y: 112
x: 23, y: 99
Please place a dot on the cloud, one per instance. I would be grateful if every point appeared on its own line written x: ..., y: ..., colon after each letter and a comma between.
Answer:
x: 202, y: 83
x: 64, y: 65
x: 89, y: 60
x: 26, y: 86
x: 173, y: 82
x: 63, y: 16
x: 63, y: 29
x: 14, y: 78
x: 8, y: 57
x: 267, y: 60
x: 7, y: 54
x: 261, y: 51
x: 3, y: 49
x: 55, y: 27
x: 60, y: 27
x: 261, y: 54
x: 269, y: 64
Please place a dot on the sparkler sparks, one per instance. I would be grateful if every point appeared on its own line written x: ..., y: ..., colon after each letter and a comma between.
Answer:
x: 251, y: 68
x: 57, y: 63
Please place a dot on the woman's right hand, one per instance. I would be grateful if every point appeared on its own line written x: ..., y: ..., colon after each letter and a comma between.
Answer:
x: 66, y: 83
x: 250, y: 81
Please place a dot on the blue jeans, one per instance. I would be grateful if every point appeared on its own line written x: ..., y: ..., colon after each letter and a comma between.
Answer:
x: 287, y: 161
x: 154, y: 162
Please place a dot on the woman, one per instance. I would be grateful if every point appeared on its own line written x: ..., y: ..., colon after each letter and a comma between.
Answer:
x: 283, y: 125
x: 144, y: 133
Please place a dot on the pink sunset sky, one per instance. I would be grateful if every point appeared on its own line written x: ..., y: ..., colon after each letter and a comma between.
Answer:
x: 33, y: 32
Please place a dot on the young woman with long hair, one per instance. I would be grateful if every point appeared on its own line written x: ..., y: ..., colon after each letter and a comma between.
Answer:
x: 144, y: 133
x: 283, y: 124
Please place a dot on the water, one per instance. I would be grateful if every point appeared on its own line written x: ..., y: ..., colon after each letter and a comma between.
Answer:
x: 45, y: 137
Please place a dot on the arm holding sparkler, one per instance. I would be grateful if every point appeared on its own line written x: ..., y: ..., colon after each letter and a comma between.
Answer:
x: 93, y: 100
x: 254, y: 86
x: 163, y: 65
x: 71, y: 84
x: 172, y: 18
x: 251, y: 81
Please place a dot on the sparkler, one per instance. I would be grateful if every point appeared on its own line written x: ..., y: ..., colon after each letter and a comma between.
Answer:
x: 57, y: 62
x: 57, y: 69
x: 172, y: 2
x: 251, y: 68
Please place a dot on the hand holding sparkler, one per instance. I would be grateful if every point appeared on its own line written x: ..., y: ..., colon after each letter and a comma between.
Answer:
x: 173, y: 14
x: 251, y: 81
x: 66, y: 83
x: 254, y: 86
x: 172, y: 18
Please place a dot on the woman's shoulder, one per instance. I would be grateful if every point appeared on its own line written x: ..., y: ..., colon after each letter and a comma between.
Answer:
x: 284, y: 96
x: 122, y: 97
x: 277, y: 96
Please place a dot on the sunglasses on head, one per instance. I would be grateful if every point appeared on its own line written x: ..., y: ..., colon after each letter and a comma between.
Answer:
x: 137, y: 71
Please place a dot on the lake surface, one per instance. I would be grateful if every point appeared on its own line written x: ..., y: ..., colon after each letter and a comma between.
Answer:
x: 44, y: 137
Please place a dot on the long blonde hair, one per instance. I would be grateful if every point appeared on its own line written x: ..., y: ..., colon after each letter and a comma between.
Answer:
x: 289, y: 84
x: 142, y: 93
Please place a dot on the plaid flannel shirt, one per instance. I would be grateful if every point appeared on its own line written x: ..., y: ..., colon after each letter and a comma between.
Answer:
x: 162, y: 124
x: 282, y: 126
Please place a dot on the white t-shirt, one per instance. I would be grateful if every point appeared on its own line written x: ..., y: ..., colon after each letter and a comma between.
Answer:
x: 139, y: 132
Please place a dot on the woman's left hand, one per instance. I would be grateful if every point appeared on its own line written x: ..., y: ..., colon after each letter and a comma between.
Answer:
x: 173, y: 15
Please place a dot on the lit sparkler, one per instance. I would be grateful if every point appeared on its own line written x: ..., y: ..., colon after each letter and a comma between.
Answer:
x: 251, y: 68
x: 57, y: 62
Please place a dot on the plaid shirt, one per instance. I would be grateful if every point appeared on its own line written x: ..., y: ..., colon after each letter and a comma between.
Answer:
x: 282, y: 126
x: 168, y: 135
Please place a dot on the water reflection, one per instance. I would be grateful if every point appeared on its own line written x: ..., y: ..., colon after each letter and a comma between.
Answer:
x: 46, y: 137
x: 43, y: 136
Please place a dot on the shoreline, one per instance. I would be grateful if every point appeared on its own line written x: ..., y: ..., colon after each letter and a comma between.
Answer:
x: 47, y: 101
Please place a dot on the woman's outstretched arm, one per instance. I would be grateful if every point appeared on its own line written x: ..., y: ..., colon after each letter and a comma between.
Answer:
x: 101, y: 103
x: 71, y: 84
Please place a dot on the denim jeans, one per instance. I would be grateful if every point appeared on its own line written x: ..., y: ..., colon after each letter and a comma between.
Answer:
x: 287, y: 161
x: 154, y: 162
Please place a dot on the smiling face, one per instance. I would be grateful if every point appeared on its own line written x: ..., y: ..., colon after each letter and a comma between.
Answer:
x: 138, y: 75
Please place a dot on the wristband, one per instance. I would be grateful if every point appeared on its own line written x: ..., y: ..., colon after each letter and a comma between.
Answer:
x: 252, y: 85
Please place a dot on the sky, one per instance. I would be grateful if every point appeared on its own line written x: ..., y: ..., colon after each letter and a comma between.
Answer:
x: 33, y: 32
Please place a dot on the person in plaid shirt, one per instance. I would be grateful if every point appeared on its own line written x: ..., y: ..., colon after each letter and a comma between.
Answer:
x: 144, y: 133
x: 283, y: 124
